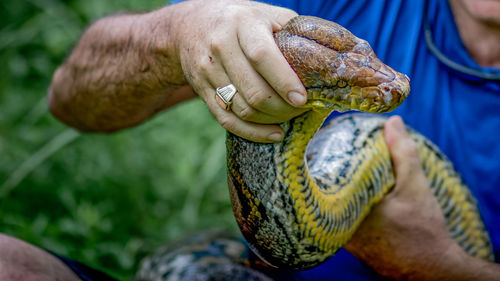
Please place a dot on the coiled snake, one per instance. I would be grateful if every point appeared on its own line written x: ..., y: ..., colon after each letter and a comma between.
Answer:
x: 297, y: 204
x: 297, y: 207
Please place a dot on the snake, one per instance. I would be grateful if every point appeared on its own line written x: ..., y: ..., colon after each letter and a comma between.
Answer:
x: 297, y: 202
x: 209, y: 255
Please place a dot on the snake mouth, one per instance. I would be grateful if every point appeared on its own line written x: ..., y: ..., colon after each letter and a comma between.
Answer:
x: 382, y: 98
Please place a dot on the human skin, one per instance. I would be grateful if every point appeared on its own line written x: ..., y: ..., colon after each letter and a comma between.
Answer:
x: 405, y: 236
x: 126, y: 68
x: 478, y: 23
x: 413, y: 249
x: 20, y: 261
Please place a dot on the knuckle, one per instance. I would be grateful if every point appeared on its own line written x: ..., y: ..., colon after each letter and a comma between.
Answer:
x: 257, y: 53
x: 227, y: 123
x: 246, y: 113
x: 256, y: 98
x: 204, y: 66
x: 218, y: 42
x: 217, y: 45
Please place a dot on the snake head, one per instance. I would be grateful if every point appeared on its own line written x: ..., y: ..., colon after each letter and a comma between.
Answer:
x: 340, y: 71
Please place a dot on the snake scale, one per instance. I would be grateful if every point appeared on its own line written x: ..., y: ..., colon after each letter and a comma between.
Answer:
x: 295, y: 206
x: 298, y: 201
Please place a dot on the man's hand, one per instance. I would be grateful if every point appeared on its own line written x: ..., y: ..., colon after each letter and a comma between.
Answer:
x: 126, y: 68
x: 227, y: 42
x: 406, y: 231
x: 405, y: 236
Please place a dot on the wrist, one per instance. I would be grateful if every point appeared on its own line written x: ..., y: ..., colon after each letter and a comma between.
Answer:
x: 452, y: 265
x: 158, y: 33
x: 457, y: 265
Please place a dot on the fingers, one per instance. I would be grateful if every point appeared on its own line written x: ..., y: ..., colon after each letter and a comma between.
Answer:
x: 214, y: 76
x: 412, y: 188
x: 265, y: 57
x: 256, y: 101
x: 400, y: 144
x: 239, y: 48
x: 249, y: 111
x: 252, y: 131
x: 281, y: 16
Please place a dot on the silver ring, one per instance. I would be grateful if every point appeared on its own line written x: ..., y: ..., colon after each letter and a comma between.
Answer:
x: 224, y: 96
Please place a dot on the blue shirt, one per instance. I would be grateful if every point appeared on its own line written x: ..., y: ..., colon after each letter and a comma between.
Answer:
x: 458, y: 112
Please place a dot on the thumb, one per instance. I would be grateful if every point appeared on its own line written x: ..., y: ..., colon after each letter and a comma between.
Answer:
x: 403, y: 150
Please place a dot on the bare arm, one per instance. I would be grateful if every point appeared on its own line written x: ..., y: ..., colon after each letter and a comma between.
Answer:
x: 405, y: 236
x: 122, y: 71
x: 128, y: 67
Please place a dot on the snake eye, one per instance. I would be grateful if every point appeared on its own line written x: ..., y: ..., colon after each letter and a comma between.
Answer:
x: 341, y: 83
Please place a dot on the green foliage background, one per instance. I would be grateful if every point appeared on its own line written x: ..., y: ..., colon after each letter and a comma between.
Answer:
x: 106, y: 200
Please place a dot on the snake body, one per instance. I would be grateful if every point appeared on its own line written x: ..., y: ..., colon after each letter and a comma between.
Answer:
x: 295, y: 204
x: 206, y: 256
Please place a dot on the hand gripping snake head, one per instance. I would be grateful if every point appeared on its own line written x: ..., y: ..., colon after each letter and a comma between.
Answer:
x: 339, y: 70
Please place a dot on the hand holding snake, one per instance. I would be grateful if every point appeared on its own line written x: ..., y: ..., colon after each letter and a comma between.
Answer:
x: 390, y: 239
x: 240, y: 49
x: 297, y: 205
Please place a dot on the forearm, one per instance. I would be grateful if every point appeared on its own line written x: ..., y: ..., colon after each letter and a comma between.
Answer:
x: 124, y: 69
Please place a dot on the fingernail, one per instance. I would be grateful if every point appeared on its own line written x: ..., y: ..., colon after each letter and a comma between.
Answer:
x: 296, y: 98
x: 275, y: 137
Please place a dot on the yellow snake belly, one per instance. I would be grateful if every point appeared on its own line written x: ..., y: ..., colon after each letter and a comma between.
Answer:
x: 297, y: 204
